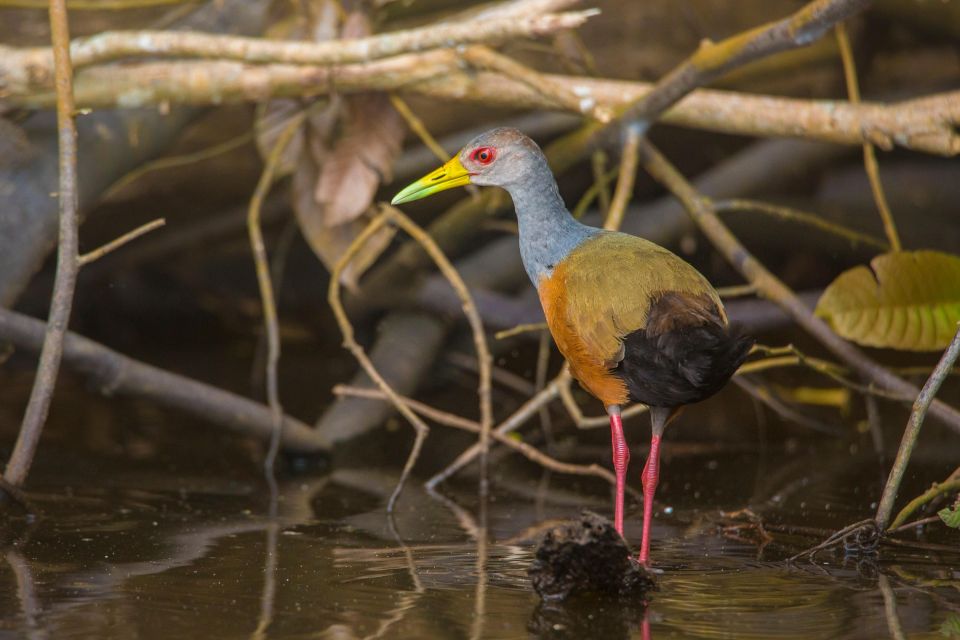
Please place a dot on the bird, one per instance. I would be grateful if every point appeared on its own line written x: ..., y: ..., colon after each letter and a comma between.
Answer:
x: 636, y: 323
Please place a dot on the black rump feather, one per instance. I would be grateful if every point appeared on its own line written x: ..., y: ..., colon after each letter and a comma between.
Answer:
x: 684, y: 355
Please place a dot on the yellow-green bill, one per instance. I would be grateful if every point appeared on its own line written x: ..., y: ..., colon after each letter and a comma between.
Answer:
x: 450, y: 175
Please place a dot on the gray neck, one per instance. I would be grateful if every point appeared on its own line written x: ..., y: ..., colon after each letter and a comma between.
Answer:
x: 547, y: 230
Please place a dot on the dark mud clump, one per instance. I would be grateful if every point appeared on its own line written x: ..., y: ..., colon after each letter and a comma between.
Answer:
x: 587, y: 557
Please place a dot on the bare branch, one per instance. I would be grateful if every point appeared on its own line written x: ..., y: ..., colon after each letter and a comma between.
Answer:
x: 713, y: 59
x: 114, y: 45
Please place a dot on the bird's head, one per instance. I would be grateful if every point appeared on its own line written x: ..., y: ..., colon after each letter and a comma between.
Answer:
x: 499, y: 158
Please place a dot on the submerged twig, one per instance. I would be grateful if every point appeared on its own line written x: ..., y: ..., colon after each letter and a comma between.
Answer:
x: 912, y: 430
x: 67, y: 256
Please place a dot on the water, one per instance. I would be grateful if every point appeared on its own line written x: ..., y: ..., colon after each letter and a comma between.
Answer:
x: 141, y: 536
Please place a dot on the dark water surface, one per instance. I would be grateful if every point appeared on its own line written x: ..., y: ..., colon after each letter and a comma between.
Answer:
x: 142, y: 536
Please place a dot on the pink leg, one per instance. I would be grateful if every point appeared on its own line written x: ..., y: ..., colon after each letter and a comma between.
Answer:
x: 651, y: 476
x: 621, y: 457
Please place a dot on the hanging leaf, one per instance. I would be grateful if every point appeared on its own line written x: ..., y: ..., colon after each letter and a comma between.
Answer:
x: 330, y: 243
x: 910, y: 301
x: 950, y: 516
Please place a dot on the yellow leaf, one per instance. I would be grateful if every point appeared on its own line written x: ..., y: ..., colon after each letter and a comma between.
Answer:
x: 910, y: 301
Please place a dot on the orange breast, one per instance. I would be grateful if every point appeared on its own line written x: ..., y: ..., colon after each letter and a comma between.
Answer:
x: 588, y: 368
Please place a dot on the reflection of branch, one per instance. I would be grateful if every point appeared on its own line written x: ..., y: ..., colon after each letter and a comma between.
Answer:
x: 890, y: 608
x: 912, y: 431
x: 700, y: 209
x: 114, y: 373
x: 67, y: 263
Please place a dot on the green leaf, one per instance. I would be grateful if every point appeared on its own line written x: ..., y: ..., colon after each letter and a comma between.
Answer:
x: 951, y: 626
x: 910, y: 301
x: 950, y: 516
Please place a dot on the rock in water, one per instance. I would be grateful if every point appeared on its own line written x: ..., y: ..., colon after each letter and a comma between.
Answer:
x: 587, y: 556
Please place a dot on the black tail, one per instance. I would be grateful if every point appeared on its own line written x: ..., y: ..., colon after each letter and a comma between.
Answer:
x: 682, y: 365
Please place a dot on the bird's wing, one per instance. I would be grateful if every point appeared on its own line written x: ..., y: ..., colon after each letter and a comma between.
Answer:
x: 610, y: 282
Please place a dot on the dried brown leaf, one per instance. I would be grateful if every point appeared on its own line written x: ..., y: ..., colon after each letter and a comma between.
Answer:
x: 361, y: 158
x: 330, y: 242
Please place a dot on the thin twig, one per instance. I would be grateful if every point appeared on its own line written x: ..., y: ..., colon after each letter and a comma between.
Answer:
x: 444, y: 418
x: 938, y: 489
x: 737, y: 291
x: 869, y: 153
x: 67, y: 250
x: 457, y: 422
x: 912, y: 430
x: 784, y: 410
x: 485, y: 361
x: 802, y: 217
x: 772, y: 288
x: 333, y: 296
x: 601, y: 184
x: 113, y: 245
x: 485, y: 58
x: 171, y: 162
x: 483, y: 354
x: 416, y: 125
x: 268, y: 302
x: 520, y: 328
x: 628, y: 175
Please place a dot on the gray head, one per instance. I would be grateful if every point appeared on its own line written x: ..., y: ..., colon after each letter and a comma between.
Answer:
x: 504, y: 157
x: 500, y: 157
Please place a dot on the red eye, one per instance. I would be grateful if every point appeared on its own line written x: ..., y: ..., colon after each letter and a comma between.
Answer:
x: 482, y: 155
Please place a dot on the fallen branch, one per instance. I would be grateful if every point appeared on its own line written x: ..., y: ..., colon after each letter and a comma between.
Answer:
x: 116, y: 374
x: 67, y: 258
x: 772, y: 288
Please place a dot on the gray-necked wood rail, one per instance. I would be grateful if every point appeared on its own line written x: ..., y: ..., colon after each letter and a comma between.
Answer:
x: 635, y: 322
